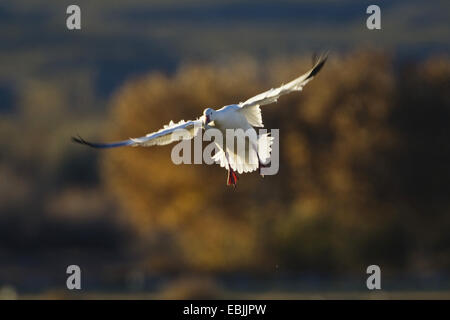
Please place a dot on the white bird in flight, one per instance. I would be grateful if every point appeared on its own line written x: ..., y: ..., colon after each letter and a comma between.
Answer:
x: 244, y: 115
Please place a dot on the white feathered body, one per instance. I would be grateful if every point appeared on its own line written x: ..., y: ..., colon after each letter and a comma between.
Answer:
x: 257, y: 147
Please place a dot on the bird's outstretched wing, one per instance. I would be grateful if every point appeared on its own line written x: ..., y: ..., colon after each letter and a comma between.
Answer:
x: 183, y: 130
x: 250, y: 107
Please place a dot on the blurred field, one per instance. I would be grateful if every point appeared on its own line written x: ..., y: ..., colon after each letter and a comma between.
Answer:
x: 364, y: 152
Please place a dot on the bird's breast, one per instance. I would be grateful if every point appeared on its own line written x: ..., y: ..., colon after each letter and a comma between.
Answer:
x: 231, y: 119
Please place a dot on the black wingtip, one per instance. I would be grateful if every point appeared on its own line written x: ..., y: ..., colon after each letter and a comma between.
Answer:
x: 80, y: 140
x: 318, y: 63
x: 124, y: 143
x: 77, y: 139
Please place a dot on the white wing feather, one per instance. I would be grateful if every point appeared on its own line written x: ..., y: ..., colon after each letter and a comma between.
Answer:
x: 171, y: 132
x: 273, y: 94
x: 245, y: 163
x: 183, y: 130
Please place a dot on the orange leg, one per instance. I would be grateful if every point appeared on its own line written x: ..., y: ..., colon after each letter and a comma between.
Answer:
x: 232, y: 177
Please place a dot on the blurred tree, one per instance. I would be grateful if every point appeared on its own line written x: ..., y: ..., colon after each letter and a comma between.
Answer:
x: 329, y: 209
x: 421, y: 118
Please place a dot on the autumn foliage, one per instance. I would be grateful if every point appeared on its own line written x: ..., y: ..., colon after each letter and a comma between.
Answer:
x: 342, y: 197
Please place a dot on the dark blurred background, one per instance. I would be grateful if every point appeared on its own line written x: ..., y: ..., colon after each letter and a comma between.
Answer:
x: 364, y: 150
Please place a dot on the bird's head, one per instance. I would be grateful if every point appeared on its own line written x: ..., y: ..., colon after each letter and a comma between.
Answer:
x: 208, y: 113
